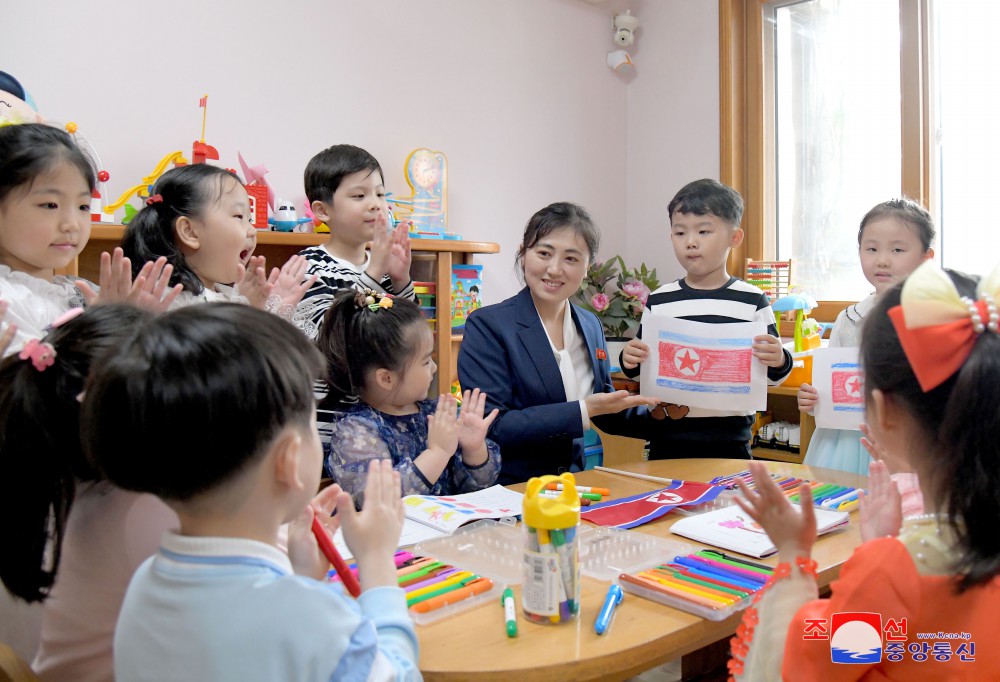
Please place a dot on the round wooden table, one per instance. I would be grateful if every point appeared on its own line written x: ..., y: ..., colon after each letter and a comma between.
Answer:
x: 474, y: 645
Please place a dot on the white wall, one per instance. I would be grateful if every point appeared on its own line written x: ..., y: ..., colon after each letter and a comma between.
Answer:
x: 515, y: 92
x: 673, y: 121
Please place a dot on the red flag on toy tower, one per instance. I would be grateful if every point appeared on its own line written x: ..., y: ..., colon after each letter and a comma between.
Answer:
x: 203, y: 103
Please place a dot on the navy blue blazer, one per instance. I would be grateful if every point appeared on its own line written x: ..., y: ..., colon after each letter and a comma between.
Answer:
x: 506, y: 353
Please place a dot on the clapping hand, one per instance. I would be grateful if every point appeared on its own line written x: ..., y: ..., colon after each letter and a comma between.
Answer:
x: 792, y: 532
x: 472, y: 425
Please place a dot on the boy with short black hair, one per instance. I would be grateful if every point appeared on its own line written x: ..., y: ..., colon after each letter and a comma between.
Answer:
x: 345, y: 187
x: 704, y: 226
x: 224, y: 421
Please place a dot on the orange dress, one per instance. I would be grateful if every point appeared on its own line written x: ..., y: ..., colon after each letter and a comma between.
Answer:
x: 882, y: 577
x: 903, y: 587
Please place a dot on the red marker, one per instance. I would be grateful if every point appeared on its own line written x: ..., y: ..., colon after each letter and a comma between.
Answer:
x: 331, y: 553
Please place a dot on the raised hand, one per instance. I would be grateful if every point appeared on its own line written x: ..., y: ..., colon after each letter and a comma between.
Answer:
x: 472, y: 425
x: 252, y: 282
x: 881, y: 512
x: 792, y: 532
x: 373, y: 533
x: 290, y: 283
x: 149, y: 290
x: 442, y: 427
x: 400, y: 257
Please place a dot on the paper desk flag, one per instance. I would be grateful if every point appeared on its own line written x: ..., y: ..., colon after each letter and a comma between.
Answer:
x: 630, y: 512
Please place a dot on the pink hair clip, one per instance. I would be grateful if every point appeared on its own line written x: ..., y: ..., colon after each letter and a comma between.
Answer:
x: 66, y: 317
x: 41, y: 354
x: 155, y: 199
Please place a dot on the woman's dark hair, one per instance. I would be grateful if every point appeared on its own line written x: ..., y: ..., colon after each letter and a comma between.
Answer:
x: 708, y: 197
x: 186, y: 191
x: 961, y: 420
x: 555, y: 217
x: 204, y: 390
x: 30, y: 149
x: 40, y: 444
x: 906, y: 210
x: 326, y: 170
x: 355, y: 339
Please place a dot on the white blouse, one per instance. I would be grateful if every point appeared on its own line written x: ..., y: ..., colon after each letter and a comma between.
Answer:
x: 35, y: 303
x: 574, y: 364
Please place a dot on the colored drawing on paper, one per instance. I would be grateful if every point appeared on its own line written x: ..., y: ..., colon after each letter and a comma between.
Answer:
x: 704, y: 365
x: 840, y: 382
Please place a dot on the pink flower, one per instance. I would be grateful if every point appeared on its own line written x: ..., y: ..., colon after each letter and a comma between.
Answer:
x: 600, y: 302
x: 636, y: 289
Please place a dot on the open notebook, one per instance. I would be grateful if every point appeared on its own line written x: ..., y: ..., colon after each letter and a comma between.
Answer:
x: 430, y: 516
x: 731, y: 528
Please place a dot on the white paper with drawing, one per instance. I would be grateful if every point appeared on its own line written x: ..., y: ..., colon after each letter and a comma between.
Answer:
x: 431, y: 516
x: 838, y: 379
x: 703, y: 365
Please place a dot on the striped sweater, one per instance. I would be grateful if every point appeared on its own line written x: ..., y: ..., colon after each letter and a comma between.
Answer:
x: 736, y: 301
x: 334, y: 274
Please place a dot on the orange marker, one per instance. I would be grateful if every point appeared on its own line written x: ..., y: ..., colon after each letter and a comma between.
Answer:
x: 475, y: 587
x: 666, y: 589
x: 581, y: 489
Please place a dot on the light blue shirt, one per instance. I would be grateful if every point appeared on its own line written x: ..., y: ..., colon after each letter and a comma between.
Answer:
x: 232, y: 609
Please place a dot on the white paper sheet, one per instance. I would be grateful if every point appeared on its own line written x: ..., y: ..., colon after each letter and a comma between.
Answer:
x: 838, y: 379
x: 703, y: 365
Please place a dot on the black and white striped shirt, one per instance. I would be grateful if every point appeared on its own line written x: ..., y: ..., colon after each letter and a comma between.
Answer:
x: 335, y: 274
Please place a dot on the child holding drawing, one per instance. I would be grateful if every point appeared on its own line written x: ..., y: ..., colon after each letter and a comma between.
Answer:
x: 895, y: 237
x: 930, y: 580
x: 704, y: 226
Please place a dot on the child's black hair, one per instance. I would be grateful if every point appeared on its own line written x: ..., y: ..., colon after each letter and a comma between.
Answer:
x: 555, y: 217
x: 959, y: 419
x: 185, y: 191
x: 202, y: 391
x: 355, y: 339
x: 708, y: 197
x: 326, y: 170
x: 40, y: 446
x: 906, y: 210
x: 30, y: 149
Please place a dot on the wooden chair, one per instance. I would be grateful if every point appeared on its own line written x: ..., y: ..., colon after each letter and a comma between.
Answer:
x: 13, y: 668
x: 773, y: 277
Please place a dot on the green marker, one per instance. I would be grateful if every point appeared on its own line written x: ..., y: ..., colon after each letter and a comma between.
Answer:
x: 509, y: 614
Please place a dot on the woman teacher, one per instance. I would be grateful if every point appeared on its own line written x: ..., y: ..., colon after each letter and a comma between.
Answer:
x: 541, y: 360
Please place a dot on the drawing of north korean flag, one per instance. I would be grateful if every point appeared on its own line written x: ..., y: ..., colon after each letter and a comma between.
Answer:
x: 705, y: 365
x: 848, y: 387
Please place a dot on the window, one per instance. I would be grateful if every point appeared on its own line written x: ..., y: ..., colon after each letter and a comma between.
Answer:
x: 965, y: 171
x: 831, y: 106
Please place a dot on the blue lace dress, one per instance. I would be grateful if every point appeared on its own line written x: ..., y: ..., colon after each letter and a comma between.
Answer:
x: 359, y: 434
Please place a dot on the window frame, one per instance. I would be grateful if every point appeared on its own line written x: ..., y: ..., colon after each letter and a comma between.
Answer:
x: 745, y: 140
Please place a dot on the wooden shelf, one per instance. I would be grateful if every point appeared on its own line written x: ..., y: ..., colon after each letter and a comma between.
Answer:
x: 278, y: 247
x: 778, y: 455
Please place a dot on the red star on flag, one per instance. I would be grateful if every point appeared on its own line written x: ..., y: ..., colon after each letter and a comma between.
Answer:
x: 687, y: 361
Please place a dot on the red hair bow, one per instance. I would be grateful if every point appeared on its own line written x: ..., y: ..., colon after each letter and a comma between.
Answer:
x: 937, y: 328
x: 155, y: 199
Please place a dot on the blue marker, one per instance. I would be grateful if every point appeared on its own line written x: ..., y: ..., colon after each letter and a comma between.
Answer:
x: 613, y: 599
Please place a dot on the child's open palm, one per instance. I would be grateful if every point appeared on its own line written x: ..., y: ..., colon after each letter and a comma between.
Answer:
x: 793, y: 533
x: 881, y: 511
x: 252, y: 282
x: 390, y: 252
x: 472, y: 425
x: 148, y: 290
x: 290, y: 283
x: 442, y: 426
x: 373, y: 533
